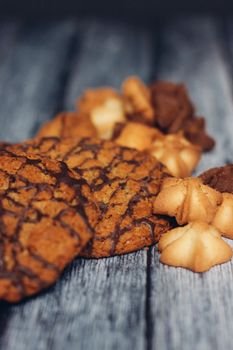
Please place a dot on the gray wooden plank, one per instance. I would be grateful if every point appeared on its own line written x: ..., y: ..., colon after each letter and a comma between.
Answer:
x: 9, y: 31
x: 227, y: 28
x: 30, y: 77
x: 98, y: 304
x: 29, y: 74
x: 195, y: 311
x: 113, y: 52
x: 198, y: 60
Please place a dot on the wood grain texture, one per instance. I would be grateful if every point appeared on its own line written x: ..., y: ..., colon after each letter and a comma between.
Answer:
x: 30, y: 76
x: 108, y: 53
x: 195, y: 311
x: 9, y: 32
x: 98, y: 304
x: 198, y: 60
x: 132, y: 301
x: 227, y: 30
x: 29, y: 84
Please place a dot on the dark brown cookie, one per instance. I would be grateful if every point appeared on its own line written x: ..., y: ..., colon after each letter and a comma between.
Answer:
x: 195, y: 131
x: 221, y: 179
x: 68, y: 124
x: 43, y: 224
x: 124, y: 184
x: 174, y: 112
x: 171, y: 104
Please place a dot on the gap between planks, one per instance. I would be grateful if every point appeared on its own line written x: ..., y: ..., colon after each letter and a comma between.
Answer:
x: 116, y: 318
x: 194, y: 311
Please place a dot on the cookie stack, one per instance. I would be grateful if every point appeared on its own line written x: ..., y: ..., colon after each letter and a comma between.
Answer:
x: 108, y: 179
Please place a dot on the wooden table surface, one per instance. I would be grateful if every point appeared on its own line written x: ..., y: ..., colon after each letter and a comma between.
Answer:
x: 131, y: 301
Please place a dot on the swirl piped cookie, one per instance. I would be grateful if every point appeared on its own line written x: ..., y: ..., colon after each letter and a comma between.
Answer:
x: 190, y: 199
x: 174, y: 151
x: 221, y: 179
x: 163, y: 105
x: 187, y: 200
x: 196, y: 246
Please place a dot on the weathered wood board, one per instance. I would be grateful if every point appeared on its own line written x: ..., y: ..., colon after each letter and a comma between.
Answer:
x: 194, y: 311
x: 31, y: 76
x: 101, y: 297
x: 132, y: 301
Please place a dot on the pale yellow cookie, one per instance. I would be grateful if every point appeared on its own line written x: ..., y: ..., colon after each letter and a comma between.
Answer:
x: 139, y: 136
x: 104, y: 107
x: 196, y: 246
x: 174, y: 151
x: 105, y: 116
x: 137, y: 100
x: 187, y: 200
x: 223, y: 219
x: 177, y: 153
x: 92, y: 98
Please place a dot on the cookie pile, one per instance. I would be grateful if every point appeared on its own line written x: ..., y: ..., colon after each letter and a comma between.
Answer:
x: 107, y: 179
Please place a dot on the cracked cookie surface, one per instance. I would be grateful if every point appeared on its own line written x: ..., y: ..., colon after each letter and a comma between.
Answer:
x: 123, y: 186
x: 43, y: 224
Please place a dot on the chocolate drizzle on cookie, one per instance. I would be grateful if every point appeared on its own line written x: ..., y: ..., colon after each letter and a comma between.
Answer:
x: 43, y: 223
x: 123, y: 184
